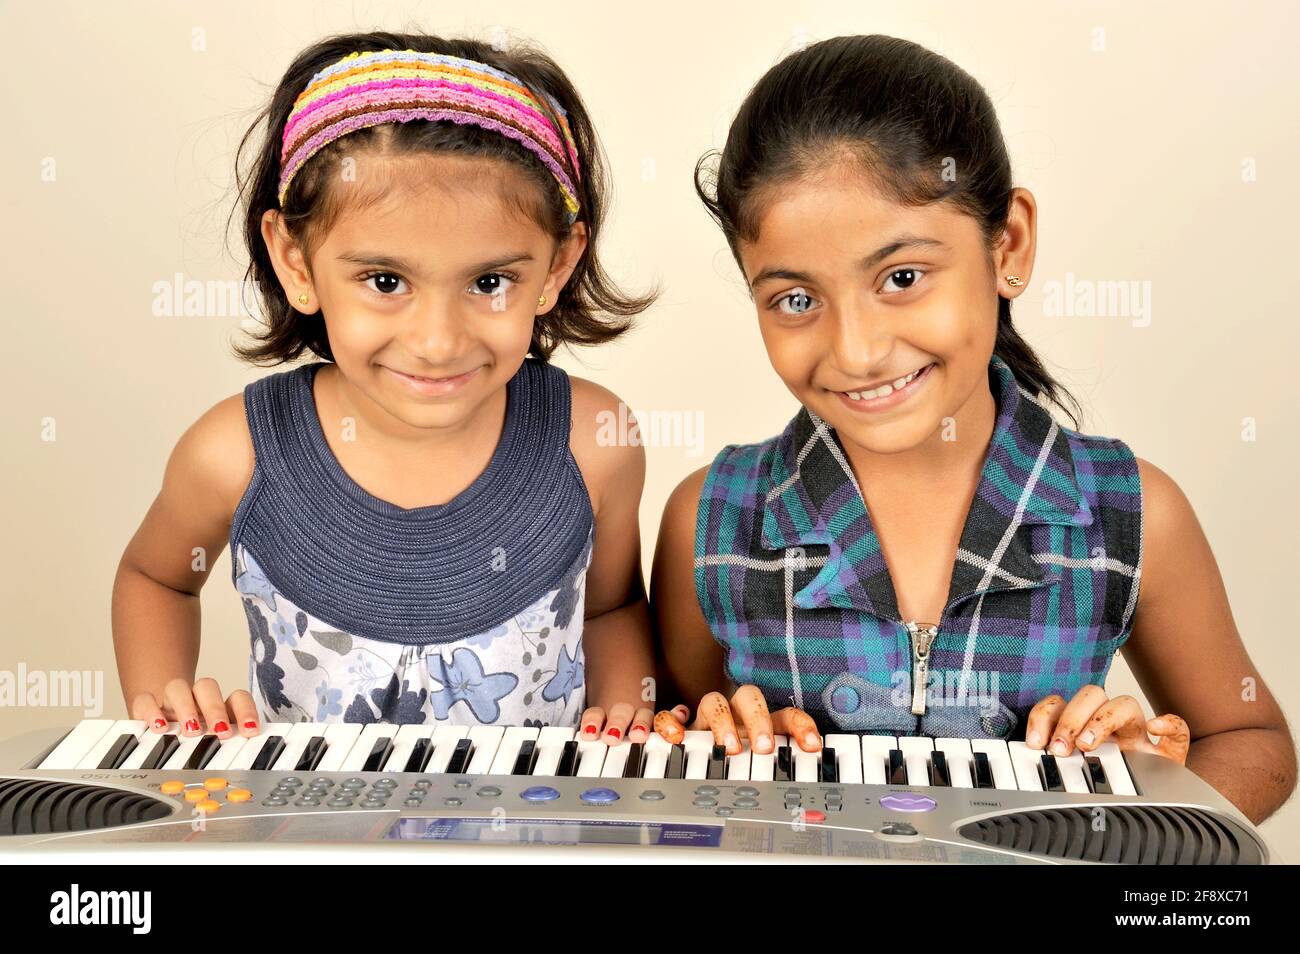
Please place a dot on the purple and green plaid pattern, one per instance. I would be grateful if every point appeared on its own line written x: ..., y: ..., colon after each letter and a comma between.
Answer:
x: 791, y: 578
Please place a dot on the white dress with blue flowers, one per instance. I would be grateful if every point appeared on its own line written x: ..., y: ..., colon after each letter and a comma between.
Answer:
x: 362, y: 611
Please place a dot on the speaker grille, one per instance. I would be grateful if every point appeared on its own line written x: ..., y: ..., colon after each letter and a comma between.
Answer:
x: 38, y: 807
x: 1121, y: 834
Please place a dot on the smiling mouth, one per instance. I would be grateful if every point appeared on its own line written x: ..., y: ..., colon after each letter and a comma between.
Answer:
x: 888, y: 388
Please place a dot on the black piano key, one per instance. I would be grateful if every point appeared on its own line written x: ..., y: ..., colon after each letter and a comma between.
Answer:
x: 124, y: 746
x: 983, y: 770
x: 717, y: 763
x: 270, y: 752
x: 526, y: 758
x: 939, y: 777
x: 460, y: 757
x: 312, y: 753
x: 161, y: 752
x: 421, y: 752
x: 1049, y: 773
x: 1096, y: 776
x: 568, y: 766
x: 783, y: 771
x: 676, y: 767
x: 897, y: 768
x: 203, y: 752
x: 828, y: 769
x: 378, y: 756
x: 634, y: 766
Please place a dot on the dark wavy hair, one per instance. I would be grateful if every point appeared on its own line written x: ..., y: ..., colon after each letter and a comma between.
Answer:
x: 900, y: 109
x: 590, y: 309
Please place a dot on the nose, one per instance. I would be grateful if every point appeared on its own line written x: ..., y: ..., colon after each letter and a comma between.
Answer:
x: 861, y: 339
x: 435, y: 333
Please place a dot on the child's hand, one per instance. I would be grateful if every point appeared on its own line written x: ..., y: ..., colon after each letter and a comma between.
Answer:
x: 190, y: 705
x: 1091, y: 718
x: 614, y: 727
x: 715, y: 714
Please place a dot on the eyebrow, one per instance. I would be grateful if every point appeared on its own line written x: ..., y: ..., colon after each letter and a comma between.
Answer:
x: 894, y: 245
x: 376, y: 260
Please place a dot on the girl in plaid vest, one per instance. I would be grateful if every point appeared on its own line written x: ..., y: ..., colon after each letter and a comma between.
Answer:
x: 924, y: 549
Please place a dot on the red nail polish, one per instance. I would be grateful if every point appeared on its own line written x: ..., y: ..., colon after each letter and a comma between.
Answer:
x: 250, y: 725
x: 613, y: 730
x: 221, y: 727
x: 589, y: 730
x: 160, y: 723
x: 641, y: 727
x: 192, y: 725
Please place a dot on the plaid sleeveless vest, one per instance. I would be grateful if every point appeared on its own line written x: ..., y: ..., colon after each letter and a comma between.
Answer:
x: 794, y: 586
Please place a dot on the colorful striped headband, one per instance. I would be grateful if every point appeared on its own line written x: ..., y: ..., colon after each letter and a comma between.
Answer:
x: 397, y: 86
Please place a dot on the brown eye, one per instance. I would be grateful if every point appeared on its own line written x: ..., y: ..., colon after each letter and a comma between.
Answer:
x: 385, y: 283
x: 903, y: 279
x: 493, y: 283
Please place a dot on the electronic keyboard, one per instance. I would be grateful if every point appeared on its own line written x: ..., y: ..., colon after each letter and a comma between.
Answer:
x: 863, y: 797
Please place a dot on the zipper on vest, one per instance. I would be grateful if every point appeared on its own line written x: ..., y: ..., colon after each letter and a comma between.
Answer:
x: 922, y: 637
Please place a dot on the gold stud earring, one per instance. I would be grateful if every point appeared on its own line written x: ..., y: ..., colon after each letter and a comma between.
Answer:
x: 541, y: 301
x: 1015, y: 281
x: 302, y: 299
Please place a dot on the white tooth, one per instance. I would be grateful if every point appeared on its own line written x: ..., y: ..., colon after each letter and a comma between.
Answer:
x: 884, y: 390
x: 902, y: 382
x: 854, y: 395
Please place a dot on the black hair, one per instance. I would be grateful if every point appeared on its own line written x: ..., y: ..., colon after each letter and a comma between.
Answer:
x: 905, y: 113
x: 590, y: 309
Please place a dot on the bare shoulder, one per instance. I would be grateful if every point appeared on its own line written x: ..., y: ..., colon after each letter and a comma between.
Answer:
x: 605, y: 442
x: 213, y: 460
x: 684, y: 501
x: 1175, y: 550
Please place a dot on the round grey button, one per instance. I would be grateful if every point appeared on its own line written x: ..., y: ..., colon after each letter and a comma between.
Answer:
x: 385, y: 783
x: 274, y: 801
x: 339, y: 803
x: 704, y: 801
x: 652, y: 795
x: 724, y: 810
x: 423, y: 783
x: 747, y: 790
x: 706, y: 790
x: 323, y: 782
x: 453, y: 802
x: 834, y: 797
x: 291, y: 780
x: 488, y: 791
x: 307, y: 800
x: 413, y: 803
x: 747, y: 803
x: 462, y: 783
x: 354, y: 783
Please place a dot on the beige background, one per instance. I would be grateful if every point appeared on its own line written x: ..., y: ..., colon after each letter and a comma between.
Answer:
x: 1131, y: 123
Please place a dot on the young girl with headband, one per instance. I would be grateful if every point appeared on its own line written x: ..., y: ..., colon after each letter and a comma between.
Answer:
x: 924, y: 549
x: 422, y: 524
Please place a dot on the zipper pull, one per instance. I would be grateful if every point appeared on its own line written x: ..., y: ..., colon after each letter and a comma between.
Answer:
x: 922, y: 637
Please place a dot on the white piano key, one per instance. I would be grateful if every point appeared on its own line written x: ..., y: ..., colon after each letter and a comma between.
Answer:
x: 803, y: 766
x: 148, y: 742
x: 657, y: 749
x: 1073, y: 773
x: 738, y: 765
x: 508, y: 748
x: 698, y: 743
x: 550, y: 748
x: 485, y: 739
x: 340, y: 737
x: 1004, y: 773
x: 591, y: 757
x: 961, y: 765
x: 404, y: 744
x: 1026, y: 762
x: 848, y: 757
x: 445, y: 738
x: 99, y: 751
x: 365, y: 744
x: 1112, y: 760
x: 226, y: 753
x: 916, y: 756
x: 616, y: 760
x: 295, y: 743
x: 762, y: 768
x: 183, y: 752
x: 247, y: 755
x: 875, y: 758
x: 69, y: 752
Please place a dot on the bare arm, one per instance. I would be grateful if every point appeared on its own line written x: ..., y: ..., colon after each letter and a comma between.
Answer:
x: 688, y: 658
x: 1189, y: 659
x: 616, y: 629
x: 156, y: 592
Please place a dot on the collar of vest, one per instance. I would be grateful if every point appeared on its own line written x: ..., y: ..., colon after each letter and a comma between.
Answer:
x: 1028, y: 479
